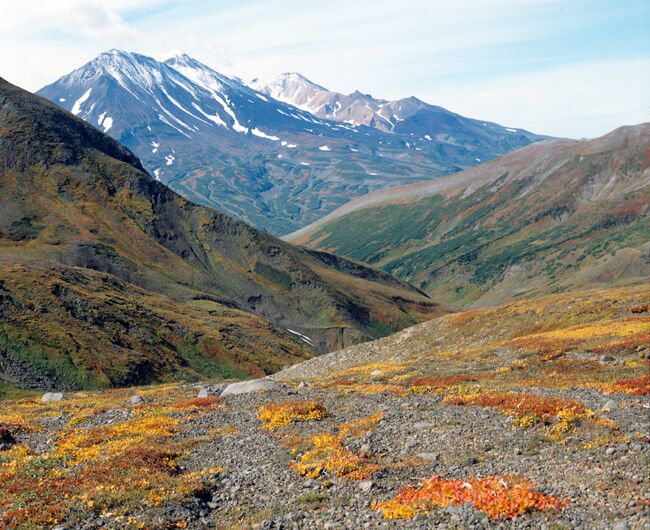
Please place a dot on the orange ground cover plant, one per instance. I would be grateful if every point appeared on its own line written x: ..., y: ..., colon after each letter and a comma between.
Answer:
x: 498, y: 497
x: 275, y: 415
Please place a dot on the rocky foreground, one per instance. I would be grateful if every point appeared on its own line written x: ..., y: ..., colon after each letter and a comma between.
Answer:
x: 535, y: 415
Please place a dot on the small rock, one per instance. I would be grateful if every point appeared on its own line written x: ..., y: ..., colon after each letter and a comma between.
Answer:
x: 430, y: 457
x: 302, y: 385
x: 471, y: 461
x: 375, y: 373
x: 424, y: 425
x: 610, y: 405
x: 365, y: 485
x: 136, y: 400
x: 51, y: 396
x: 606, y: 358
x: 366, y: 448
x: 610, y: 451
x: 621, y: 525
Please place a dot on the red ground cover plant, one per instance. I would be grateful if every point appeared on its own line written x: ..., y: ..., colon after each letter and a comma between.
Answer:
x: 520, y: 405
x: 498, y: 497
x: 639, y: 386
x: 444, y: 381
x: 203, y: 403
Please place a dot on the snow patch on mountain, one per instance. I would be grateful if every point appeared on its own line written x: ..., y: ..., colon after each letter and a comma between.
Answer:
x: 76, y: 108
x: 261, y: 134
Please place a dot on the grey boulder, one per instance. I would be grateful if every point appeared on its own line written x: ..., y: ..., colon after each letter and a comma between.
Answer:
x: 248, y: 387
x: 51, y: 396
x: 211, y: 390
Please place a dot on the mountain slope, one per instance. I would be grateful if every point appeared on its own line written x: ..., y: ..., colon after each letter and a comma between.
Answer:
x: 220, y: 143
x: 108, y: 277
x: 408, y: 116
x: 548, y: 217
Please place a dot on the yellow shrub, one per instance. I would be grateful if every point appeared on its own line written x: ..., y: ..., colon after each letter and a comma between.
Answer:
x: 276, y: 415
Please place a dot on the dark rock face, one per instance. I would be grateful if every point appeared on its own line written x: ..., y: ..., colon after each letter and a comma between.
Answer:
x: 7, y: 439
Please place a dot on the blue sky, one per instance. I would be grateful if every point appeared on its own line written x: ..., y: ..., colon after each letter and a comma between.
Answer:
x: 567, y: 68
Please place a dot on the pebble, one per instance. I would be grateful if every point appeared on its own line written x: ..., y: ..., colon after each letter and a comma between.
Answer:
x: 610, y: 405
x: 211, y: 390
x: 365, y: 485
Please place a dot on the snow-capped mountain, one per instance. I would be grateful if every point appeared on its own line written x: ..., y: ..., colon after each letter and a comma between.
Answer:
x: 118, y: 90
x: 262, y: 160
x: 404, y: 116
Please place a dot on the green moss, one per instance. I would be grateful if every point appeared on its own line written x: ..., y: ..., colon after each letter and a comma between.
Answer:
x: 60, y: 368
x: 10, y: 393
x: 276, y: 276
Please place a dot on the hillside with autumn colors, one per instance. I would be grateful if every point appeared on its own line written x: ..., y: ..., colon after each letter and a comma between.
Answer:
x: 553, y: 216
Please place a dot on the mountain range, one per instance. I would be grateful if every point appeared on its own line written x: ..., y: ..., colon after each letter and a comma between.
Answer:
x: 109, y: 278
x: 408, y: 116
x: 549, y: 217
x: 262, y: 160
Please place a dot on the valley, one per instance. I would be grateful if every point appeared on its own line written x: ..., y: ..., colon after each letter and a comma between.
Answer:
x: 261, y: 303
x: 108, y: 278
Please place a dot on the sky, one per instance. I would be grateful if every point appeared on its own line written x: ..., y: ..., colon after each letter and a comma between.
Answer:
x: 577, y: 68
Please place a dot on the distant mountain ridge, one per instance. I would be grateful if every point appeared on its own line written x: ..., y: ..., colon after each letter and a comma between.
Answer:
x: 409, y: 116
x: 266, y: 162
x: 552, y: 216
x: 109, y: 278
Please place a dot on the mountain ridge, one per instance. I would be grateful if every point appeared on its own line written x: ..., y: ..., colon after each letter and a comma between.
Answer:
x: 552, y: 215
x: 409, y: 115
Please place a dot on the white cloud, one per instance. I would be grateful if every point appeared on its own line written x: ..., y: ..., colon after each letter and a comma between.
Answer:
x: 95, y: 19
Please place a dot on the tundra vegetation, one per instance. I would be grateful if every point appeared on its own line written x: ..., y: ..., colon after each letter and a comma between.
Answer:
x: 564, y: 378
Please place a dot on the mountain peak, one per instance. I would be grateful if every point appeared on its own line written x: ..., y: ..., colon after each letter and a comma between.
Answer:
x: 172, y: 54
x: 296, y: 76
